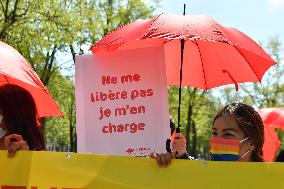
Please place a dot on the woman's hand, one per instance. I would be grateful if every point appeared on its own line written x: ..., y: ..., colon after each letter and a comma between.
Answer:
x: 163, y: 159
x: 13, y: 143
x: 178, y: 145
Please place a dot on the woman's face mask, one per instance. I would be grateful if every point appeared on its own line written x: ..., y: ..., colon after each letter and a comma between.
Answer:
x: 2, y: 131
x: 226, y: 149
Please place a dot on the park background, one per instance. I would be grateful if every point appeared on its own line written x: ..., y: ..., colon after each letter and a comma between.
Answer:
x: 50, y: 33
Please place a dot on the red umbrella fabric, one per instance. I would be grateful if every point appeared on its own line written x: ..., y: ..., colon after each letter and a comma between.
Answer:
x: 274, y: 117
x: 271, y: 143
x: 14, y: 69
x: 213, y: 55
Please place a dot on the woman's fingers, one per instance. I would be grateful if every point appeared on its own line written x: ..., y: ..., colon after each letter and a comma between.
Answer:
x: 179, y: 144
x: 156, y: 157
x: 163, y: 160
x: 12, y: 138
x: 168, y: 159
x: 179, y: 149
x: 173, y: 154
x: 14, y: 143
x: 15, y: 136
x: 159, y: 160
x: 153, y: 155
x: 23, y: 145
x: 12, y: 149
x: 179, y: 141
x: 178, y: 136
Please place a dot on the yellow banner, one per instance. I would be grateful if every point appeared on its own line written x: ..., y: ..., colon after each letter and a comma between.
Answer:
x: 52, y: 170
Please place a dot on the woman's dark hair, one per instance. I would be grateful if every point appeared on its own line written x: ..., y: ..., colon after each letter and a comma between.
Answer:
x: 20, y: 115
x: 250, y: 122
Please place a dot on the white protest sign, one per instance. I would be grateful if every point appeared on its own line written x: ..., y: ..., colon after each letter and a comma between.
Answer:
x: 122, y: 103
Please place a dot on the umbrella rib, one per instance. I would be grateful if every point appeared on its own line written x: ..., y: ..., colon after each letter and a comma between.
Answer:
x: 201, y: 64
x: 6, y: 79
x: 247, y: 62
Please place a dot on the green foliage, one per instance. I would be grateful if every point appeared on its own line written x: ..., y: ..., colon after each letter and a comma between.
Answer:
x: 198, y: 109
x: 44, y: 31
x: 58, y: 129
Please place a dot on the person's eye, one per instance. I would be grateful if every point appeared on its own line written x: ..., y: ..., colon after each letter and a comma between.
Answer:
x: 228, y: 135
x: 214, y: 134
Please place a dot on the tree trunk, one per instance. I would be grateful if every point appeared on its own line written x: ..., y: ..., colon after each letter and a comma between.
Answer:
x: 188, y: 129
x: 194, y: 140
x: 73, y: 138
x: 72, y: 115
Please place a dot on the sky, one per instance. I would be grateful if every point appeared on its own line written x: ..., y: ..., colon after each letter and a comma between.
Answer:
x: 259, y: 19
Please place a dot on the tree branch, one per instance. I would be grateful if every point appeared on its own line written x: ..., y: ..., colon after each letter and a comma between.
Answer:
x: 6, y: 10
x: 2, y: 6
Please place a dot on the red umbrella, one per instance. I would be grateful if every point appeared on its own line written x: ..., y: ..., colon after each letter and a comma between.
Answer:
x: 210, y: 55
x: 271, y: 143
x: 274, y: 117
x: 14, y: 69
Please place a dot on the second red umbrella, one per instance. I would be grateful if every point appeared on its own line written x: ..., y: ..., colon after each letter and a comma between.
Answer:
x: 14, y: 69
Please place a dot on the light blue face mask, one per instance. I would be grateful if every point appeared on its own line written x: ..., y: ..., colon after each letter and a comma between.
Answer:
x: 2, y: 133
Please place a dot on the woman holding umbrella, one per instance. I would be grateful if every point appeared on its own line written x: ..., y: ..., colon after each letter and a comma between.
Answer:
x: 23, y: 99
x: 237, y: 135
x: 18, y: 121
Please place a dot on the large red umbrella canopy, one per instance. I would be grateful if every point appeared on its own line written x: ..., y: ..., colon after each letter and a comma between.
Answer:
x: 214, y: 55
x: 14, y: 69
x: 271, y: 143
x: 274, y: 117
